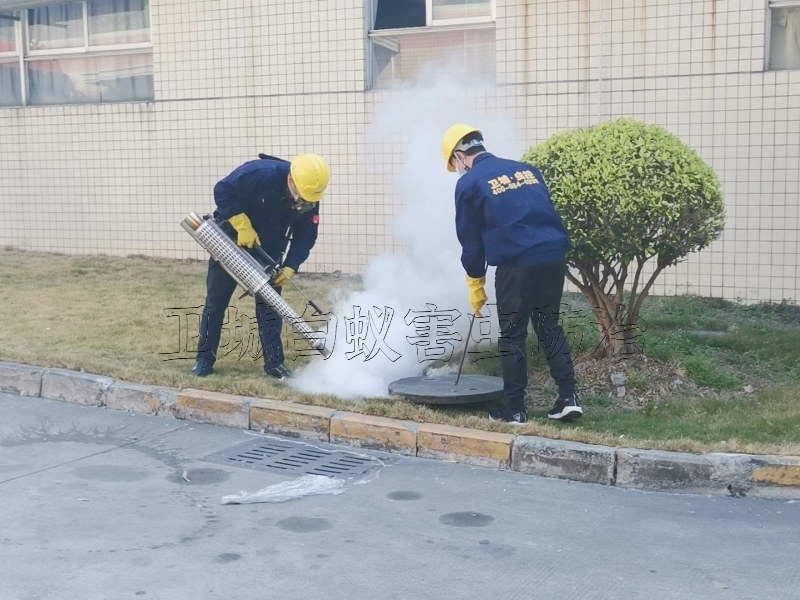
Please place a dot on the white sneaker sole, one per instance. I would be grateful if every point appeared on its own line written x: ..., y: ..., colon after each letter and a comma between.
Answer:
x: 570, y: 413
x: 493, y: 420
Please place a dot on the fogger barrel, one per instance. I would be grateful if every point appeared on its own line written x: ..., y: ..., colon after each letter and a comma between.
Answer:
x: 248, y: 273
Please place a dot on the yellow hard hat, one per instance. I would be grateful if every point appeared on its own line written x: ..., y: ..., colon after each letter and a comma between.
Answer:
x: 451, y: 139
x: 310, y: 174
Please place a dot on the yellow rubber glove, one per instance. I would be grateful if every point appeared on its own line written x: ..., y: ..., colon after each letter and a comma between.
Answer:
x: 477, y: 295
x: 246, y: 235
x: 283, y: 276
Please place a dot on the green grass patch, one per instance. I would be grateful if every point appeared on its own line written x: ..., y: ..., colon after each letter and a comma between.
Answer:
x: 770, y: 418
x: 136, y: 319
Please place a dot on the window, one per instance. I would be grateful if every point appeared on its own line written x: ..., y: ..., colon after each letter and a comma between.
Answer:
x: 9, y: 62
x: 397, y: 14
x: 784, y: 35
x: 459, y: 11
x: 409, y: 38
x: 81, y: 52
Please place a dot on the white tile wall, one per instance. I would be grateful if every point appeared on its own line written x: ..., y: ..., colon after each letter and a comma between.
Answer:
x: 238, y: 77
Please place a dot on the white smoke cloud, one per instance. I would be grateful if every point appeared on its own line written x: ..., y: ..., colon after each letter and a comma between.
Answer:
x: 431, y: 272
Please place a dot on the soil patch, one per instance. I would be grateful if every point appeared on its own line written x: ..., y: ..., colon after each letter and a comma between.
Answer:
x: 629, y: 382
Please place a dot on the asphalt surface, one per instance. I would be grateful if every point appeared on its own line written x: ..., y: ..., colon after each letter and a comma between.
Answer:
x: 103, y: 504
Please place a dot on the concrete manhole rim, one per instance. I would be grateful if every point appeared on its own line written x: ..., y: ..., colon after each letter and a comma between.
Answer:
x: 471, y: 389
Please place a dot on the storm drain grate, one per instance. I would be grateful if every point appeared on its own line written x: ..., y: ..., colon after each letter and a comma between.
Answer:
x: 289, y: 457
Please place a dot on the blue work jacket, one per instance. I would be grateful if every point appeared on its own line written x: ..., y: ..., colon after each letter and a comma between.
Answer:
x: 504, y: 216
x: 259, y: 189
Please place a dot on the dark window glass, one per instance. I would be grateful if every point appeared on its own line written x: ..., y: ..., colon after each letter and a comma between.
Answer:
x: 394, y: 14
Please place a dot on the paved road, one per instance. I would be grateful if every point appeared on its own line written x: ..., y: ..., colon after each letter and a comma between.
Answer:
x: 101, y: 504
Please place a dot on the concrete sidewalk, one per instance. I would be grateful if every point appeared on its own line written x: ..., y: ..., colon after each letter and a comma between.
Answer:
x: 713, y: 473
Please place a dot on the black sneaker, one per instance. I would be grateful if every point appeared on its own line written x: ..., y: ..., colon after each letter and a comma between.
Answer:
x: 566, y: 409
x: 505, y: 415
x: 278, y: 372
x: 203, y: 368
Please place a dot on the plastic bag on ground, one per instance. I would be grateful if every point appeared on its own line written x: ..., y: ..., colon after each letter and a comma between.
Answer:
x: 307, y: 485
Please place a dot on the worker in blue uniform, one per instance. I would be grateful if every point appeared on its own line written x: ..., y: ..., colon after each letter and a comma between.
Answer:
x: 273, y: 203
x: 506, y: 218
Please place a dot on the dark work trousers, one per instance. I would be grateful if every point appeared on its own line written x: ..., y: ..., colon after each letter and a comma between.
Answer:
x: 532, y: 293
x: 219, y: 290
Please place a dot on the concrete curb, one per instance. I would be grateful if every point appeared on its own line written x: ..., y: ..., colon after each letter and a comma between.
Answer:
x: 380, y: 433
x: 143, y: 399
x: 214, y: 408
x: 564, y: 459
x: 78, y: 388
x: 23, y: 380
x: 295, y: 420
x: 712, y: 473
x: 475, y: 447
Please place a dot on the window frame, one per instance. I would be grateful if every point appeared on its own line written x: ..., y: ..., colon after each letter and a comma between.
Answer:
x: 386, y: 37
x: 26, y: 55
x: 19, y: 55
x: 771, y: 5
x: 12, y: 16
x: 430, y: 22
x: 87, y: 48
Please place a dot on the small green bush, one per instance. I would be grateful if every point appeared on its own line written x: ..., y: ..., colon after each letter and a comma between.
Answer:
x: 629, y: 193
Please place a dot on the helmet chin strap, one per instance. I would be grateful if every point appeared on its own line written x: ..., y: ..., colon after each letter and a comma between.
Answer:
x: 293, y: 192
x: 461, y: 160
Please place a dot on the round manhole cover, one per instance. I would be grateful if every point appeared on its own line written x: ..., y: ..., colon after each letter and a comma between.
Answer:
x: 443, y: 389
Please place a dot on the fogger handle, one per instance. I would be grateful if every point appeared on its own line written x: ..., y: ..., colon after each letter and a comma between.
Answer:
x: 271, y: 262
x: 274, y: 265
x: 270, y: 268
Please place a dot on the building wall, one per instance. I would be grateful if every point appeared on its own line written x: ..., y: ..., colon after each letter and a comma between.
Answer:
x: 696, y: 68
x: 238, y: 77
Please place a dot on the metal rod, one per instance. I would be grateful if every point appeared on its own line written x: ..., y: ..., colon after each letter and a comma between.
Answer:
x: 271, y: 263
x: 275, y: 266
x: 463, y: 356
x: 307, y: 299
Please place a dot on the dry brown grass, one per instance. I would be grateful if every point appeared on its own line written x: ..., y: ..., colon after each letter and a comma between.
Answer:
x: 110, y: 316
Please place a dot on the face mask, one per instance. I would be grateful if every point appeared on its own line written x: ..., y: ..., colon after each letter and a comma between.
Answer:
x: 301, y: 205
x: 298, y: 203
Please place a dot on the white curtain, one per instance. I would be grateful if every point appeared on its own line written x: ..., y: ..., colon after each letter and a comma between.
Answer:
x: 9, y: 84
x: 118, y: 22
x: 785, y: 38
x: 52, y: 27
x: 124, y: 74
